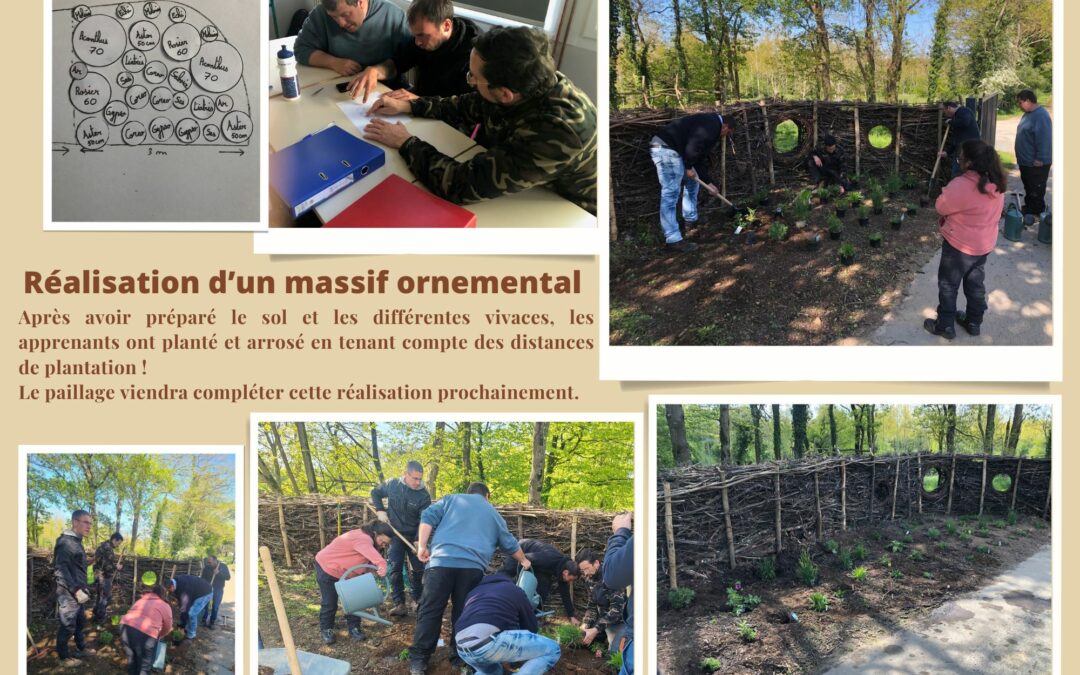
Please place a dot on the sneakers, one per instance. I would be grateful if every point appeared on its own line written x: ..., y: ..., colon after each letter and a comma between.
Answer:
x: 399, y: 610
x: 417, y: 668
x: 327, y: 636
x: 70, y: 662
x: 931, y: 327
x: 357, y: 634
x: 83, y: 652
x: 972, y: 329
x: 682, y: 246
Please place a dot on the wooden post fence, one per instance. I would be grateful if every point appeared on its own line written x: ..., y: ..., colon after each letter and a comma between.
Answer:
x: 779, y: 531
x: 843, y: 495
x: 749, y: 153
x: 858, y: 142
x: 898, y: 138
x: 135, y: 571
x: 727, y: 521
x: 895, y: 486
x: 919, y: 486
x: 1016, y: 484
x: 284, y: 533
x: 669, y: 530
x: 817, y: 505
x: 982, y: 489
x: 769, y: 142
x: 952, y: 477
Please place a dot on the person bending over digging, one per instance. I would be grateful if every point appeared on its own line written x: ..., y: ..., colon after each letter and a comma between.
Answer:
x: 550, y: 567
x: 605, y: 612
x: 193, y: 594
x: 498, y: 625
x: 680, y: 152
x: 357, y: 547
x: 969, y: 206
x: 826, y: 164
x: 148, y: 621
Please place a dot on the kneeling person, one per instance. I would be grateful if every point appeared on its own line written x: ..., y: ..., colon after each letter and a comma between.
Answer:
x: 498, y: 625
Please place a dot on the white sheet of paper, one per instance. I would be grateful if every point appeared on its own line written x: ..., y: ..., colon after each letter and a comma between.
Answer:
x: 359, y: 113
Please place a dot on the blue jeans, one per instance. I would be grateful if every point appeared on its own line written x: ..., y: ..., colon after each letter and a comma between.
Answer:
x: 396, y: 567
x: 627, y: 658
x: 210, y: 613
x: 193, y: 614
x: 671, y: 173
x: 539, y: 653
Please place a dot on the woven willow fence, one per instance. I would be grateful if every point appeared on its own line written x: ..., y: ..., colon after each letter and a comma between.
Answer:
x: 748, y: 161
x: 296, y: 528
x: 713, y: 517
x: 41, y: 585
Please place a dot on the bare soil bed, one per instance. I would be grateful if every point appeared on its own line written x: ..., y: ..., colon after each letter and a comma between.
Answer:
x: 751, y: 290
x: 900, y: 588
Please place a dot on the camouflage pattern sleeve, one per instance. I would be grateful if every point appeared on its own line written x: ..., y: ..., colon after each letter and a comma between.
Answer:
x: 614, y: 614
x: 457, y: 111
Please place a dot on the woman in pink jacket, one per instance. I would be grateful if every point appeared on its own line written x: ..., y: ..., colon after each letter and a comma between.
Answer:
x: 148, y: 621
x: 970, y: 208
x: 352, y: 548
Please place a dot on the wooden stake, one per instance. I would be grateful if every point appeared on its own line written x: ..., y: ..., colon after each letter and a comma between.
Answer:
x: 284, y: 533
x: 895, y: 485
x: 134, y: 586
x: 339, y: 519
x: 189, y: 568
x: 573, y: 546
x: 817, y: 504
x: 815, y: 125
x: 1016, y: 484
x: 858, y: 142
x: 727, y: 521
x: 746, y: 128
x: 322, y: 523
x: 952, y: 476
x: 521, y: 528
x: 897, y: 144
x: 1046, y: 507
x: 723, y: 162
x: 669, y: 531
x: 982, y: 489
x: 873, y: 486
x: 768, y: 142
x: 843, y: 495
x: 940, y: 115
x: 907, y: 484
x: 779, y: 531
x: 919, y: 486
x: 279, y: 609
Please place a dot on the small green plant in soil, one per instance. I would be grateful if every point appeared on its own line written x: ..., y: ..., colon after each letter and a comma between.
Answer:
x: 984, y: 549
x: 864, y: 212
x: 746, y: 631
x: 568, y: 635
x: 942, y: 546
x: 760, y: 196
x: 831, y: 546
x: 807, y: 571
x: 933, y: 533
x: 855, y: 198
x: 739, y: 603
x: 615, y: 661
x: 896, y: 574
x: 834, y: 224
x: 847, y: 251
x: 840, y: 593
x: 907, y: 538
x: 711, y: 664
x: 875, y: 238
x: 896, y: 546
x: 747, y: 219
x: 778, y: 231
x: 105, y: 637
x: 833, y: 191
x: 845, y: 558
x: 916, y: 556
x: 859, y: 573
x: 177, y: 635
x: 858, y: 552
x: 950, y: 527
x: 766, y: 569
x: 928, y: 575
x: 894, y: 183
x: 819, y: 602
x: 1011, y: 519
x: 1000, y: 524
x: 403, y: 655
x: 680, y: 598
x: 885, y: 560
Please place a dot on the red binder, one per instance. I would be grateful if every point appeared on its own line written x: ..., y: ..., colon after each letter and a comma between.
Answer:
x: 396, y: 202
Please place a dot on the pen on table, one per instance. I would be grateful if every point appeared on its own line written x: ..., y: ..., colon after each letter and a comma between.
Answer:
x: 475, y: 131
x: 317, y: 91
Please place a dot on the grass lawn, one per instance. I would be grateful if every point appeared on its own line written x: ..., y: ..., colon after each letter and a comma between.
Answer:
x: 1008, y: 160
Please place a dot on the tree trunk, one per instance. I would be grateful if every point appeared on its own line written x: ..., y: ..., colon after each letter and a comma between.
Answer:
x: 309, y: 471
x: 950, y: 428
x: 375, y: 454
x: 832, y: 429
x: 479, y: 451
x: 871, y: 427
x: 276, y: 444
x: 119, y: 513
x: 776, y: 438
x: 714, y: 46
x: 135, y: 509
x: 1014, y: 433
x: 436, y: 443
x: 866, y: 50
x: 539, y: 448
x: 725, y: 434
x: 898, y: 13
x: 680, y: 53
x: 821, y: 47
x: 798, y: 426
x: 759, y: 450
x: 991, y: 427
x: 677, y: 428
x: 857, y: 413
x: 466, y: 450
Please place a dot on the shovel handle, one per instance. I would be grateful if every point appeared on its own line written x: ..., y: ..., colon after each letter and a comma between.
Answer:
x: 279, y: 609
x: 399, y: 535
x: 930, y: 187
x: 718, y: 195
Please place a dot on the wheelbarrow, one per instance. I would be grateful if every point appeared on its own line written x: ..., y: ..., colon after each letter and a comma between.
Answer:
x: 361, y: 593
x: 526, y: 581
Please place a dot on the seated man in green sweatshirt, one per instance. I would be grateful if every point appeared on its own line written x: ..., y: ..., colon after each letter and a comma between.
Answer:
x: 468, y: 529
x: 349, y: 35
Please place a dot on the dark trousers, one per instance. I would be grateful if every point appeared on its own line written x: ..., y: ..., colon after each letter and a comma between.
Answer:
x: 821, y: 173
x: 955, y: 270
x: 396, y: 562
x: 72, y: 622
x: 328, y: 603
x: 140, y: 649
x: 441, y: 584
x: 209, y: 615
x: 101, y: 606
x: 1034, y: 179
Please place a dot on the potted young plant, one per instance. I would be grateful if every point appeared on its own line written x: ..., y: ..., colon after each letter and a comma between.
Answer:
x: 847, y: 254
x: 778, y: 231
x: 800, y: 211
x: 877, y: 198
x: 896, y: 221
x: 841, y: 207
x: 893, y: 184
x: 822, y: 195
x: 813, y: 242
x: 864, y: 215
x: 911, y: 181
x: 761, y: 197
x: 836, y: 228
x: 912, y: 209
x: 875, y: 240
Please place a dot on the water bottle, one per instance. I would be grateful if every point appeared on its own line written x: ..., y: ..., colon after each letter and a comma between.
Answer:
x: 290, y: 85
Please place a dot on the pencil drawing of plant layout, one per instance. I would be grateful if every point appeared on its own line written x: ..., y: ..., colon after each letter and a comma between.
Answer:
x: 151, y: 73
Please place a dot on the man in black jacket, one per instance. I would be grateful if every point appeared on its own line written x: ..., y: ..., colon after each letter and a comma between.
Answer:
x: 217, y: 573
x: 69, y: 570
x: 962, y: 127
x: 680, y: 152
x: 193, y: 594
x: 550, y: 566
x: 826, y: 164
x: 406, y: 498
x: 439, y: 52
x: 498, y: 625
x: 105, y: 568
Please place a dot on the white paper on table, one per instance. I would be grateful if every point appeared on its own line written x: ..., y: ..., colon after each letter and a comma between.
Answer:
x: 360, y: 113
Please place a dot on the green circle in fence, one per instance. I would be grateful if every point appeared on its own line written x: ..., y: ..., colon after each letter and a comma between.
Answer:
x: 149, y: 578
x: 1001, y: 482
x: 786, y: 136
x: 931, y: 480
x: 880, y: 137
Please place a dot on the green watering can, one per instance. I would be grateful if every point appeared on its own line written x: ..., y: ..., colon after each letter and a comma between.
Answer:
x: 1014, y: 223
x: 526, y: 581
x: 1046, y: 228
x: 361, y: 593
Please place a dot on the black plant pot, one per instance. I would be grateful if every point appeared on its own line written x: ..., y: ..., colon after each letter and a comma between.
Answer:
x: 865, y: 222
x: 912, y: 211
x: 814, y: 243
x: 764, y: 201
x: 924, y: 201
x: 824, y: 199
x: 751, y: 237
x: 835, y: 236
x: 878, y: 210
x: 840, y: 213
x: 847, y: 259
x: 896, y: 226
x: 875, y: 243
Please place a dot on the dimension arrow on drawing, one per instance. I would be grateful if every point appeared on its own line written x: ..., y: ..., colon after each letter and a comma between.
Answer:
x: 64, y: 150
x: 86, y: 150
x: 231, y: 152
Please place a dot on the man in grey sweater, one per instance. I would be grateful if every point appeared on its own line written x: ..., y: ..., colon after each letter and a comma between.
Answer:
x: 1034, y: 151
x: 349, y: 35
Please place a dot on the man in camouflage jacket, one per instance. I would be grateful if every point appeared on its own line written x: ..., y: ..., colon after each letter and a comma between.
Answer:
x: 539, y: 129
x: 105, y: 568
x: 606, y: 610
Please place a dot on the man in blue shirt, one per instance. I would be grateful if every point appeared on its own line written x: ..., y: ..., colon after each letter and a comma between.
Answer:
x: 618, y: 572
x: 348, y: 35
x: 468, y: 529
x: 1034, y: 152
x: 962, y: 127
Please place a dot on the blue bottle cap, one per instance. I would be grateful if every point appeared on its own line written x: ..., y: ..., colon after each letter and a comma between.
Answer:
x: 284, y: 52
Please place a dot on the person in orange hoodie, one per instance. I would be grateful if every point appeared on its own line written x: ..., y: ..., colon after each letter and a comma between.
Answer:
x: 148, y: 621
x: 356, y: 547
x: 970, y: 208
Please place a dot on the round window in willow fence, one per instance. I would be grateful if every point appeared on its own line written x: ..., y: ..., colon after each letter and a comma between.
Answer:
x: 786, y: 137
x: 880, y: 137
x: 149, y: 578
x: 931, y: 480
x: 1001, y: 482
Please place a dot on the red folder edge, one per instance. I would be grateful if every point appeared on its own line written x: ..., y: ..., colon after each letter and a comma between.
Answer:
x: 397, y: 203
